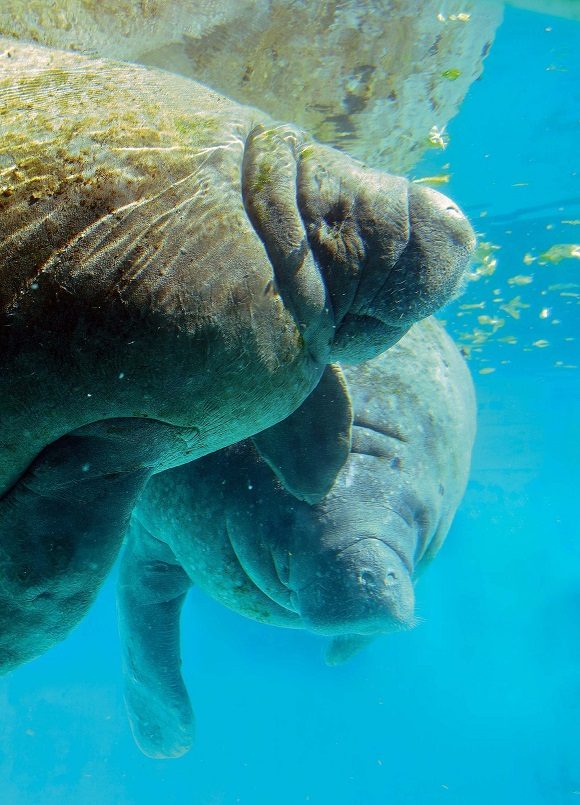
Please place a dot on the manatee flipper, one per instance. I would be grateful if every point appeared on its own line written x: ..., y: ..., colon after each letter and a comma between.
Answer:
x: 343, y: 648
x: 152, y: 589
x: 308, y: 449
x: 62, y: 524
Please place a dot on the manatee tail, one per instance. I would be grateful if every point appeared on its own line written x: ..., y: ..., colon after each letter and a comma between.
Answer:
x: 343, y: 648
x: 151, y: 592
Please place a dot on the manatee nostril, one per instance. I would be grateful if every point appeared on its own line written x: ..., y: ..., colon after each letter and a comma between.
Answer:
x: 366, y: 578
x: 390, y: 577
x: 337, y: 214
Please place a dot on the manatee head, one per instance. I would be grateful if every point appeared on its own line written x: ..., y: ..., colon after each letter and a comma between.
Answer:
x: 360, y: 578
x: 355, y: 552
x: 391, y: 252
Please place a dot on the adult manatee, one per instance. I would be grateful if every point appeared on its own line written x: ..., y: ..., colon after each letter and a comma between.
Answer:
x: 176, y: 271
x: 343, y: 566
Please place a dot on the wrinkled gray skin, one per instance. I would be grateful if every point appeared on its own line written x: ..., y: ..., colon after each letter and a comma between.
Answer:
x: 176, y: 270
x: 344, y: 566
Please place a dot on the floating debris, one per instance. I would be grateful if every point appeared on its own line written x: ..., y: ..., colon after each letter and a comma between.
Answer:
x: 529, y: 259
x: 443, y: 178
x: 476, y: 337
x: 571, y: 222
x: 541, y: 343
x: 474, y: 306
x: 487, y: 370
x: 513, y: 307
x: 521, y: 184
x: 485, y: 263
x: 520, y: 279
x: 462, y: 17
x: 563, y: 286
x: 492, y: 322
x: 438, y: 138
x: 545, y: 312
x: 452, y: 74
x: 560, y: 251
x: 508, y: 339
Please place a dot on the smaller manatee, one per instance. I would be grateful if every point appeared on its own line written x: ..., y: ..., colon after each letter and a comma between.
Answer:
x: 341, y: 564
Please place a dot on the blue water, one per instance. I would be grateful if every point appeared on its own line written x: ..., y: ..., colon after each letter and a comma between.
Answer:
x: 482, y: 701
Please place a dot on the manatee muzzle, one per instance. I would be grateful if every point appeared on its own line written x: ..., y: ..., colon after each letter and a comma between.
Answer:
x: 366, y: 588
x: 417, y: 245
x: 431, y: 269
x: 358, y: 255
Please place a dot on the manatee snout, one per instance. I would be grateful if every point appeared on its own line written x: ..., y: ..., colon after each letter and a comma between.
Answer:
x: 430, y: 270
x: 392, y: 251
x: 365, y: 589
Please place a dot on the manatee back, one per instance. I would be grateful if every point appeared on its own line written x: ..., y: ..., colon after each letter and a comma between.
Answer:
x: 119, y: 196
x: 81, y: 139
x: 421, y: 392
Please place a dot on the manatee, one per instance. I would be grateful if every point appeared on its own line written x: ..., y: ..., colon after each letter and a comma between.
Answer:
x: 343, y: 566
x: 176, y: 271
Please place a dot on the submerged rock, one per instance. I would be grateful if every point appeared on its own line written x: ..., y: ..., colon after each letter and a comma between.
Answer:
x: 378, y: 78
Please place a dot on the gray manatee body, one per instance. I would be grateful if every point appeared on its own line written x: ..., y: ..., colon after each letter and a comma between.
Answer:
x: 176, y: 270
x: 343, y: 566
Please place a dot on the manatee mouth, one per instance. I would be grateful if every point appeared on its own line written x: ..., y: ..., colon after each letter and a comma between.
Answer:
x: 377, y: 335
x: 427, y: 270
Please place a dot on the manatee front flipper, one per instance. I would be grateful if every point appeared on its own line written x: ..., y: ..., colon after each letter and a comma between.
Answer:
x: 62, y: 524
x: 152, y: 589
x: 308, y: 449
x: 343, y: 648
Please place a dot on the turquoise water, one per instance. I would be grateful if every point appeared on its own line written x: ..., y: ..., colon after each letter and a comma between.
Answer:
x: 482, y: 701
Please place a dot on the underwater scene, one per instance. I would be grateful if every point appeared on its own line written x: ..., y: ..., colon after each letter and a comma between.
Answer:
x: 289, y: 394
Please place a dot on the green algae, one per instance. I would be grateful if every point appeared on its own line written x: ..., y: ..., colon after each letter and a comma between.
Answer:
x: 195, y: 127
